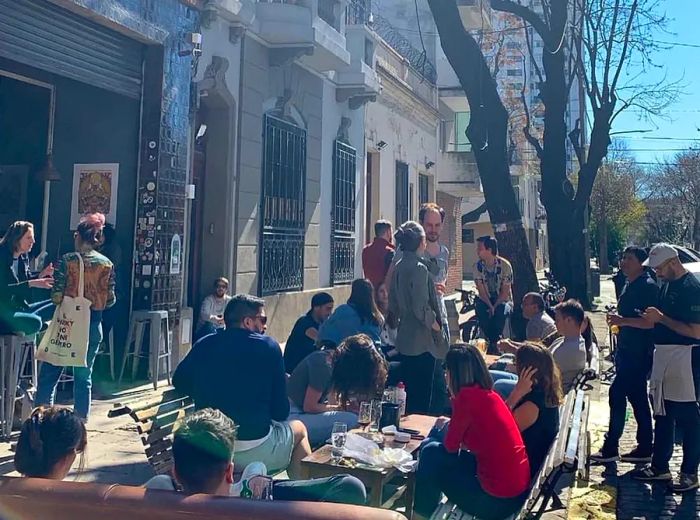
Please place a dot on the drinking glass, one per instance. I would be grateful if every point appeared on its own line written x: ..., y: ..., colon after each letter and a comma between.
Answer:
x: 260, y: 488
x: 338, y: 437
x: 365, y: 416
x: 482, y: 345
x: 376, y: 415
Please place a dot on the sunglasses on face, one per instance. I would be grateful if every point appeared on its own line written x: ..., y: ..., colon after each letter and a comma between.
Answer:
x: 222, y: 286
x: 262, y: 319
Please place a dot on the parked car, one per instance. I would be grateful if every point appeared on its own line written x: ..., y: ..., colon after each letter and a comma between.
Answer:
x: 687, y: 255
x: 693, y: 267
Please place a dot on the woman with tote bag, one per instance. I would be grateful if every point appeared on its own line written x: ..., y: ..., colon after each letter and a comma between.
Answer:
x: 86, y: 274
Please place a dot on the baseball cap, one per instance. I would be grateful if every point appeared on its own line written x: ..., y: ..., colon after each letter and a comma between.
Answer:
x: 659, y: 254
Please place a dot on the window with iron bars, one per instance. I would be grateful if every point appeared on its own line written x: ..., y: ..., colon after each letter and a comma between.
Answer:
x: 343, y: 235
x: 423, y: 189
x: 281, y: 256
x: 402, y: 201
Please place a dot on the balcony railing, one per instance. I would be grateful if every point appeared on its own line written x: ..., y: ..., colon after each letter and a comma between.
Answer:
x: 361, y: 12
x: 327, y: 11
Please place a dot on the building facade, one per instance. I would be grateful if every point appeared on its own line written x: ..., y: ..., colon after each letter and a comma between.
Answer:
x: 280, y: 152
x: 95, y: 101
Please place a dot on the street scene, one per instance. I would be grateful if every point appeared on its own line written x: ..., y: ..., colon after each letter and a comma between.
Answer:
x: 342, y: 259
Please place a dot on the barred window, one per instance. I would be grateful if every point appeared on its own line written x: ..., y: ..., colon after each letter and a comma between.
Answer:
x: 343, y: 224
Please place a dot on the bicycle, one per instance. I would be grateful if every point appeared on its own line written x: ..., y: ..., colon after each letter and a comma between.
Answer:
x: 613, y: 330
x: 469, y: 330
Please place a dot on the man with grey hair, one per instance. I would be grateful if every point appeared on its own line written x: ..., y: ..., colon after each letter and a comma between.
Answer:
x: 539, y: 323
x: 240, y: 371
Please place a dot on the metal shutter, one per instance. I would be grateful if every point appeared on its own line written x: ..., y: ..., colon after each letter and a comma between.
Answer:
x: 42, y: 35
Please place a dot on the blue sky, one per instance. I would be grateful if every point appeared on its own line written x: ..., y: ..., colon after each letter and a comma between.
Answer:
x: 681, y: 62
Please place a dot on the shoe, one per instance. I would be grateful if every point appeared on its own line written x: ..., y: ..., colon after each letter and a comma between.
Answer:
x: 686, y: 482
x: 649, y: 474
x: 604, y: 456
x: 636, y: 455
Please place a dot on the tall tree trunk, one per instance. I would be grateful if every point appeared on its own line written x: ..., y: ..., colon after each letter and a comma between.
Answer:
x: 603, y: 247
x: 487, y: 131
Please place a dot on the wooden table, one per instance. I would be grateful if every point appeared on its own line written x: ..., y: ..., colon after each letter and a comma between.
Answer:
x: 319, y: 464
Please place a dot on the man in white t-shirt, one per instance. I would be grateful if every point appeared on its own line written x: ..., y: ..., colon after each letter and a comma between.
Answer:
x: 211, y: 313
x: 203, y: 448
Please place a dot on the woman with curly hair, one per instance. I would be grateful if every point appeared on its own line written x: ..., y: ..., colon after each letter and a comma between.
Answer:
x: 324, y: 383
x: 535, y: 401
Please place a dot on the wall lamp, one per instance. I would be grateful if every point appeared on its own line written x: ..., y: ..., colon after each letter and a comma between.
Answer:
x: 429, y: 165
x: 381, y: 145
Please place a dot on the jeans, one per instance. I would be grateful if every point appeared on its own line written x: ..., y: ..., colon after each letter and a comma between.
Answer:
x: 630, y: 384
x: 320, y: 425
x: 455, y: 475
x: 426, y: 391
x: 339, y: 489
x: 29, y: 321
x: 492, y: 325
x: 503, y: 382
x: 687, y: 415
x: 82, y: 384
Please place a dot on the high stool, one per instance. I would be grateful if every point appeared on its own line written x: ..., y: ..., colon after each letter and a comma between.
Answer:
x: 159, y: 344
x: 106, y: 348
x: 12, y: 349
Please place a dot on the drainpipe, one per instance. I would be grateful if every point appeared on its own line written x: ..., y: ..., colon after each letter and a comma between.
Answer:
x: 237, y: 172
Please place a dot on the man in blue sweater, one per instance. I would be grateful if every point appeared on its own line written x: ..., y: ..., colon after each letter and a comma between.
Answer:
x: 240, y: 371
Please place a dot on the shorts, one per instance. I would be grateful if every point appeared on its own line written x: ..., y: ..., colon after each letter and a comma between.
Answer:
x: 275, y: 452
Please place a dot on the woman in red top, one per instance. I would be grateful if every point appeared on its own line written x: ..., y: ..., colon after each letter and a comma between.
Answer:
x: 482, y: 464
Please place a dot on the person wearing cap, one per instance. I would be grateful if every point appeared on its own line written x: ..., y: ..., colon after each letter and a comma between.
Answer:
x: 302, y: 340
x: 675, y: 373
x: 632, y: 362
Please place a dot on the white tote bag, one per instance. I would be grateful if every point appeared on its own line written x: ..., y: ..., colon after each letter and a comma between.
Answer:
x: 65, y: 342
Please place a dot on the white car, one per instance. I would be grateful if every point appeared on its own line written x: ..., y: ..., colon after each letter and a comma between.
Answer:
x: 693, y: 267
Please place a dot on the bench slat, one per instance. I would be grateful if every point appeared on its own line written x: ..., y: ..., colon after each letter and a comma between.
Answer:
x: 158, y: 447
x: 163, y: 420
x: 161, y: 409
x: 572, y: 443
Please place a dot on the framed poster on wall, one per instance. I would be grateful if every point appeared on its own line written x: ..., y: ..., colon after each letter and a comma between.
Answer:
x: 94, y: 190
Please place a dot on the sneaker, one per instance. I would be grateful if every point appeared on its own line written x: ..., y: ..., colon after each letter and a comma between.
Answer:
x: 636, y: 455
x: 686, y: 482
x: 649, y: 474
x: 604, y: 456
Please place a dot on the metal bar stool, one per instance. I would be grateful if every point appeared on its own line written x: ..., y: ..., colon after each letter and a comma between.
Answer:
x: 159, y: 344
x: 11, y: 355
x: 106, y: 348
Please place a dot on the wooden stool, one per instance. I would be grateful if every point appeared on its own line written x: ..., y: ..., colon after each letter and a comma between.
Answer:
x: 159, y: 344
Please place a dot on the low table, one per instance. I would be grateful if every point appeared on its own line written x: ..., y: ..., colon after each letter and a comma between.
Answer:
x: 319, y: 464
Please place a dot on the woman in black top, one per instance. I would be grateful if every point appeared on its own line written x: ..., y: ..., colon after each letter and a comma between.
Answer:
x: 17, y: 315
x: 535, y: 401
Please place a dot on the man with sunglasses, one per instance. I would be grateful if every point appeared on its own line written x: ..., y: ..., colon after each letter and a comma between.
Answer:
x: 240, y: 371
x: 675, y: 373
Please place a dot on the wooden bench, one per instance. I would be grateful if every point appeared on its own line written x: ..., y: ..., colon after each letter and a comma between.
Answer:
x: 155, y: 417
x: 567, y: 453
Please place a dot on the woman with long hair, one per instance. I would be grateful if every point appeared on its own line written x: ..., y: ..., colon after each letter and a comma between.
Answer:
x: 535, y: 401
x: 17, y: 315
x: 481, y: 466
x: 324, y: 383
x: 49, y: 442
x: 98, y: 279
x: 420, y: 341
x: 359, y: 315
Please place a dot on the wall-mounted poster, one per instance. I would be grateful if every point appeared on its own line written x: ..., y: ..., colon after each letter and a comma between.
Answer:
x: 175, y: 254
x: 94, y: 190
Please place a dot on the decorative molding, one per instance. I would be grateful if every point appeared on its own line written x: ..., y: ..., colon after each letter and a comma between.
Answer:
x: 343, y: 128
x: 283, y: 55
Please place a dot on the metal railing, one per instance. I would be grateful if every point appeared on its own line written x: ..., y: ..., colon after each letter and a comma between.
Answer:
x: 283, y: 207
x: 362, y: 12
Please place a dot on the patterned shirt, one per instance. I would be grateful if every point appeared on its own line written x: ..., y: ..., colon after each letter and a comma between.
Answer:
x: 495, y: 276
x: 98, y: 279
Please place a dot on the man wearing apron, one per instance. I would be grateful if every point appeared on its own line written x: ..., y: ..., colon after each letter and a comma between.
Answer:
x: 675, y: 373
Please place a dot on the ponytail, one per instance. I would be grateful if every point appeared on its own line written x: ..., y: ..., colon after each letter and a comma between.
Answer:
x: 46, y: 438
x: 90, y: 229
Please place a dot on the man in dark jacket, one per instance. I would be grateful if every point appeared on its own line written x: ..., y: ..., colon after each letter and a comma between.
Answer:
x: 240, y: 371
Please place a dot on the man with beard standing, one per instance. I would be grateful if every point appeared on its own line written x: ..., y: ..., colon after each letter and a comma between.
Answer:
x: 675, y: 373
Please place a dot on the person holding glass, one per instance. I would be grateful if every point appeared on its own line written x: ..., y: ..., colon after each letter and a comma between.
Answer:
x: 17, y: 315
x: 98, y: 276
x: 324, y: 388
x: 421, y: 340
